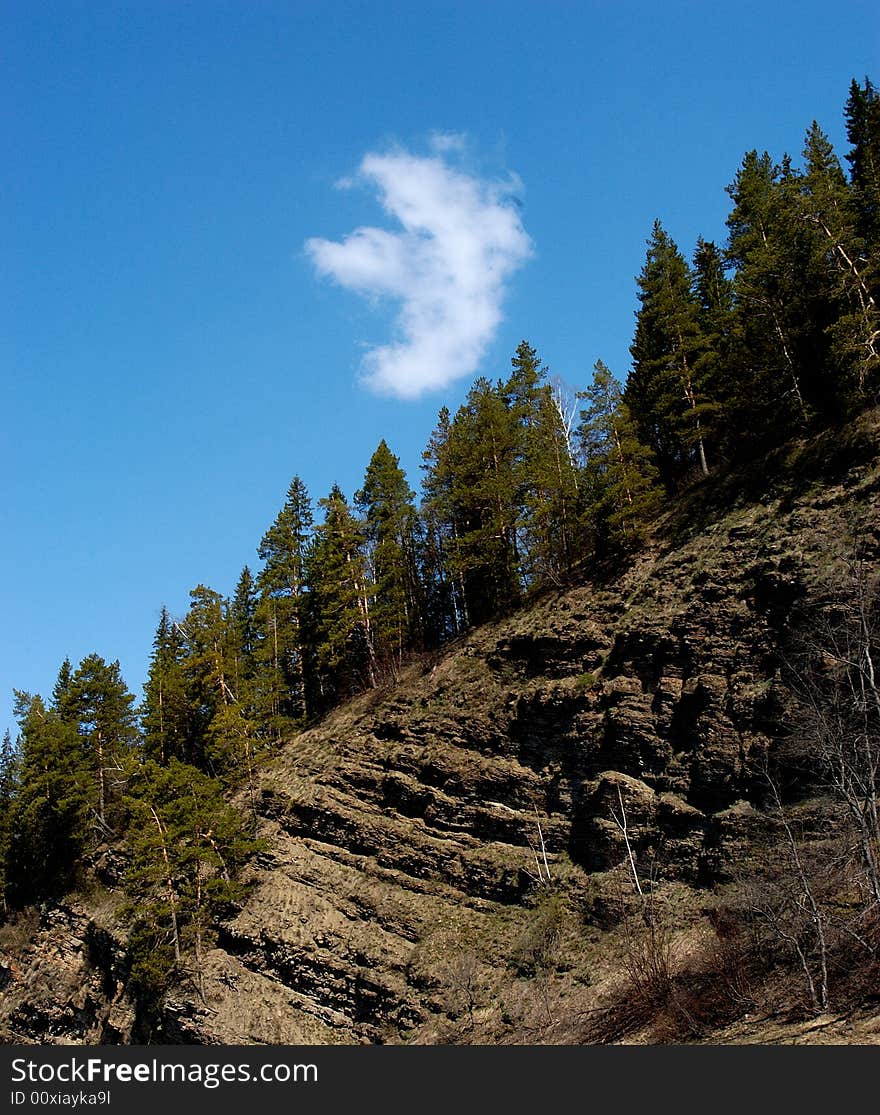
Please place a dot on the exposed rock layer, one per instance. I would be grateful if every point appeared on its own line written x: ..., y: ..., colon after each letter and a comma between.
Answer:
x: 398, y: 891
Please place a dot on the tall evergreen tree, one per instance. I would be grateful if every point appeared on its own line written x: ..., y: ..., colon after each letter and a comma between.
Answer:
x: 340, y: 603
x: 187, y: 848
x: 862, y: 112
x: 620, y: 478
x: 101, y: 708
x: 52, y: 819
x: 392, y: 536
x: 9, y: 784
x: 482, y: 458
x: 544, y: 490
x: 282, y: 653
x: 61, y: 692
x: 165, y: 712
x: 446, y: 600
x: 717, y: 364
x: 208, y: 667
x: 829, y: 210
x: 774, y: 284
x: 243, y: 625
x: 666, y: 393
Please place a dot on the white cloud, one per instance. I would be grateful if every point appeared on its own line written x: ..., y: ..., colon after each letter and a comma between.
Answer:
x: 459, y: 240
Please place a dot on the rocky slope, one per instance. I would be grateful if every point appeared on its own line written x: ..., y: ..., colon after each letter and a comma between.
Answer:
x: 398, y: 898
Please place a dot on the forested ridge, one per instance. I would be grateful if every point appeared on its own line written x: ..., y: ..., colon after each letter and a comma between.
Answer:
x: 773, y: 335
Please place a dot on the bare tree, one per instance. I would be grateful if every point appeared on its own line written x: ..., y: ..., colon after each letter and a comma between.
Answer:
x: 804, y: 906
x: 565, y: 399
x: 836, y: 679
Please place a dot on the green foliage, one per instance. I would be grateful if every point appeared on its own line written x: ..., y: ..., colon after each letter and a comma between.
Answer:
x: 165, y: 712
x: 339, y: 603
x: 538, y: 946
x: 50, y: 822
x: 670, y: 393
x: 586, y: 681
x: 621, y: 480
x: 481, y: 458
x: 392, y: 538
x: 9, y: 779
x: 188, y: 847
x: 282, y: 652
x: 546, y: 475
x: 500, y: 496
x: 98, y: 704
x: 862, y: 113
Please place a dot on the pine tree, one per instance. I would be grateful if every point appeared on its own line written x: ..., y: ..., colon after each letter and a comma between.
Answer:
x: 340, y: 603
x: 165, y: 712
x: 829, y: 208
x: 544, y: 489
x: 774, y: 286
x: 9, y: 786
x: 619, y: 475
x: 187, y: 849
x: 233, y: 738
x: 243, y: 626
x: 392, y: 535
x: 282, y: 655
x: 101, y: 708
x: 716, y: 364
x: 445, y: 602
x: 52, y: 820
x: 207, y: 666
x: 665, y: 392
x: 482, y: 460
x: 61, y: 690
x: 862, y: 113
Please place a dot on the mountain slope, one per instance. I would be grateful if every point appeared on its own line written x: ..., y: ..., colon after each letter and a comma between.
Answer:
x: 397, y: 898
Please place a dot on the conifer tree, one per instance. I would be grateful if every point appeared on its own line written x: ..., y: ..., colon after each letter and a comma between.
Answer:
x: 101, y: 708
x: 716, y: 364
x: 187, y: 849
x: 620, y: 477
x: 340, y: 603
x: 52, y: 820
x: 243, y: 629
x: 544, y: 489
x: 208, y: 667
x: 482, y: 458
x: 666, y: 393
x: 9, y: 780
x: 392, y: 537
x: 829, y: 208
x: 773, y: 285
x: 61, y: 690
x: 282, y: 654
x: 165, y: 712
x: 862, y: 112
x: 446, y: 600
x: 552, y: 539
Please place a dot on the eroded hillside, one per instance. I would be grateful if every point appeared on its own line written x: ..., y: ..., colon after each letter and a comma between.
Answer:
x: 398, y: 899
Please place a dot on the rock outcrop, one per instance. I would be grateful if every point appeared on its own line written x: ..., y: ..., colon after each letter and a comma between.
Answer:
x: 406, y: 835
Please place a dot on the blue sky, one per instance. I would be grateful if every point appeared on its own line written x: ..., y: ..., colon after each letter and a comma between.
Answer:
x: 172, y: 352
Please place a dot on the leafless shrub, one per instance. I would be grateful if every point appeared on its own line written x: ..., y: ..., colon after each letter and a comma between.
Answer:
x: 466, y: 987
x: 834, y: 673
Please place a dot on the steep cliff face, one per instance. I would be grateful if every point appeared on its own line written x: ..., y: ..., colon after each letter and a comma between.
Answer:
x: 63, y: 979
x: 398, y: 898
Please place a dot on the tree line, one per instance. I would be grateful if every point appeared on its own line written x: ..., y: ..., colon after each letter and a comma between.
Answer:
x: 774, y: 334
